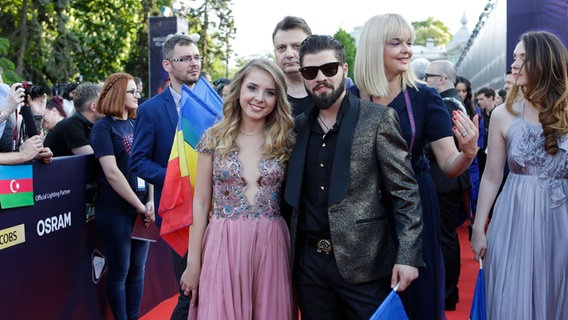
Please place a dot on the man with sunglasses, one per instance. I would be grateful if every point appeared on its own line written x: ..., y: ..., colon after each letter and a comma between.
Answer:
x: 156, y: 123
x: 286, y: 38
x: 348, y: 250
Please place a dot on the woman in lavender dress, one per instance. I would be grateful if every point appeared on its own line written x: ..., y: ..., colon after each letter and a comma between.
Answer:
x: 526, y: 255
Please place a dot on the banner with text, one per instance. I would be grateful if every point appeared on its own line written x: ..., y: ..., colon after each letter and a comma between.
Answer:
x: 52, y: 260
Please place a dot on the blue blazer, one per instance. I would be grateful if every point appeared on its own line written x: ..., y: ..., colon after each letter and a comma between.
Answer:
x: 156, y: 123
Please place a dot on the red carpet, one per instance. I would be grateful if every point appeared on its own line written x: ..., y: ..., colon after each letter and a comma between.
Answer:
x: 469, y: 270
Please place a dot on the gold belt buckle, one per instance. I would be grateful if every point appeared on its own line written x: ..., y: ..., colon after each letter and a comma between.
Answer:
x: 324, y: 246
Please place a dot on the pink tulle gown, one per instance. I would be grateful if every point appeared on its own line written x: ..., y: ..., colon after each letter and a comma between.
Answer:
x: 245, y: 271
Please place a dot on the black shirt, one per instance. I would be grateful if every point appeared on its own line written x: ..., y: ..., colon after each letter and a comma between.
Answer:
x: 68, y: 134
x: 301, y: 105
x: 314, y: 219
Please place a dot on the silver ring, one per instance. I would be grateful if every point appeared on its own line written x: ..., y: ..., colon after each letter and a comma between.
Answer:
x: 464, y: 134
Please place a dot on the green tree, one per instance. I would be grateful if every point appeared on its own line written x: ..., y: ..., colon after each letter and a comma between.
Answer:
x: 349, y: 43
x: 431, y: 28
x: 214, y: 23
x: 107, y: 31
x: 55, y: 41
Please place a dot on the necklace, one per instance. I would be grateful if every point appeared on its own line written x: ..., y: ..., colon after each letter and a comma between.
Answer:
x: 325, y: 127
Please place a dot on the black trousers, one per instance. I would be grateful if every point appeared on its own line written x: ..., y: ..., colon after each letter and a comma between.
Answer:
x: 323, y: 294
x: 181, y: 309
x: 451, y: 207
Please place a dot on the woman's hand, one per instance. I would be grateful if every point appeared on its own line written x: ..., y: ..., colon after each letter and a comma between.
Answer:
x: 467, y: 133
x: 189, y: 282
x: 150, y: 216
x: 478, y: 243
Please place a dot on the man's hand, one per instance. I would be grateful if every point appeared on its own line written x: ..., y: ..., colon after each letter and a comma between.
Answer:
x: 45, y: 155
x: 404, y: 275
x: 31, y: 148
x: 15, y: 98
x: 38, y: 104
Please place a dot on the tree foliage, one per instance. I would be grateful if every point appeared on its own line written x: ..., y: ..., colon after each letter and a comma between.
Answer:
x: 213, y: 21
x: 57, y: 41
x: 431, y: 28
x: 350, y: 48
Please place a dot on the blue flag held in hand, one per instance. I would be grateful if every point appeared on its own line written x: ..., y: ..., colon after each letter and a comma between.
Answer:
x: 478, y: 304
x: 391, y: 308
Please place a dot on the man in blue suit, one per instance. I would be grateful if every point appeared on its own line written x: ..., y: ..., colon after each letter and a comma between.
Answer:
x: 156, y: 123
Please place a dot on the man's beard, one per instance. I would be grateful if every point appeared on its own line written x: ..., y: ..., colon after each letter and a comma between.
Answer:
x: 325, y: 101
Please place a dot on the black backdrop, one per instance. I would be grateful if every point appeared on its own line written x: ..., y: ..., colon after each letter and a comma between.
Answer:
x: 47, y: 271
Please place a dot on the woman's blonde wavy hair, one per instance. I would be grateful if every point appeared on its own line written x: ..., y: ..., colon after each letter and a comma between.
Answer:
x: 546, y: 69
x: 278, y: 126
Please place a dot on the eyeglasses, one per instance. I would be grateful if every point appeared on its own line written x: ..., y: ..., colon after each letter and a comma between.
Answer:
x: 187, y: 59
x: 427, y: 75
x: 134, y: 92
x: 328, y: 69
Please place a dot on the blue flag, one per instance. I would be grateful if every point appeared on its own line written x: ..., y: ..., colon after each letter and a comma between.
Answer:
x: 200, y: 108
x: 391, y: 308
x: 478, y: 304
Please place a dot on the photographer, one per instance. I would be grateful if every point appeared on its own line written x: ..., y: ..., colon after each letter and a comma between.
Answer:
x: 32, y: 147
x: 32, y: 111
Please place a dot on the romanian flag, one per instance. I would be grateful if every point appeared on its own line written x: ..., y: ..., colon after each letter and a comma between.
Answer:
x: 16, y: 186
x: 478, y: 304
x: 200, y: 108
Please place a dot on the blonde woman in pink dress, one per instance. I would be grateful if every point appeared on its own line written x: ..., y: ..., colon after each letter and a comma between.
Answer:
x: 238, y: 264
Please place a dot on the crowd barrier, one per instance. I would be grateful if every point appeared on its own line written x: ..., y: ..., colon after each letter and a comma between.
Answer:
x: 52, y: 263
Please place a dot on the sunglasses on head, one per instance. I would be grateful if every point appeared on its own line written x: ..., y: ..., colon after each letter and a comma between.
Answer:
x: 328, y: 69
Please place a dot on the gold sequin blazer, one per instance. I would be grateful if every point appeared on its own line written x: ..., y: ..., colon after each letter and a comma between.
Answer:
x: 371, y: 165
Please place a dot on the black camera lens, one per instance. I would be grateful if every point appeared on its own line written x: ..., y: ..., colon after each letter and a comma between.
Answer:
x: 36, y: 91
x: 33, y: 91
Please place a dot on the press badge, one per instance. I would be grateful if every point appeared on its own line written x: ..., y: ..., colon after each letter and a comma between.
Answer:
x: 141, y: 184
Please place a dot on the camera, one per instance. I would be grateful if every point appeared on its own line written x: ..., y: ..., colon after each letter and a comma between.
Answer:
x: 32, y: 90
x: 64, y: 90
x: 25, y: 110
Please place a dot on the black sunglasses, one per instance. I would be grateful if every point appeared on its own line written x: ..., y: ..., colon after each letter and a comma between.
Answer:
x: 328, y: 69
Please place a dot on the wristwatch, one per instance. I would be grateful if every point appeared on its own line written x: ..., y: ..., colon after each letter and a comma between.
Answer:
x: 38, y: 116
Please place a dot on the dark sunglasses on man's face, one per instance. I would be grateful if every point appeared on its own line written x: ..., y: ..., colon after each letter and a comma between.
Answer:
x: 328, y: 69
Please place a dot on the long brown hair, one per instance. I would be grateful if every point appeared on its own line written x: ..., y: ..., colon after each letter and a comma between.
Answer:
x: 546, y: 69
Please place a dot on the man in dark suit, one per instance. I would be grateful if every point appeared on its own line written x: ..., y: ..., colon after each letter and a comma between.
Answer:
x: 347, y: 250
x: 156, y: 122
x: 453, y: 193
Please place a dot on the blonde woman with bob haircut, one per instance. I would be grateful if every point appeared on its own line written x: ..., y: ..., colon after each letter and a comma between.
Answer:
x: 383, y: 74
